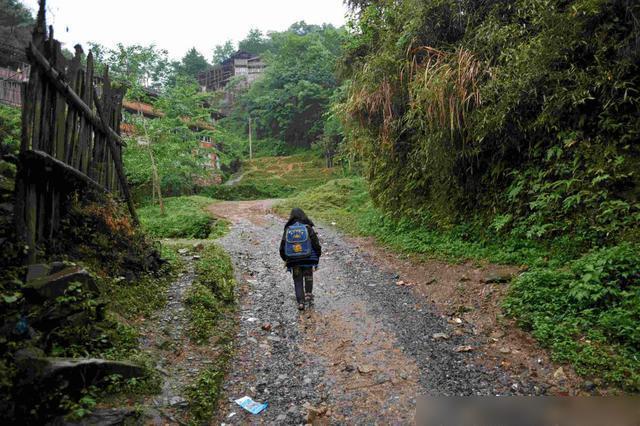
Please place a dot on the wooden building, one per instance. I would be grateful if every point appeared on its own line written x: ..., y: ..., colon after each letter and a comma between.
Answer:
x: 208, y: 147
x: 240, y: 64
x: 14, y: 73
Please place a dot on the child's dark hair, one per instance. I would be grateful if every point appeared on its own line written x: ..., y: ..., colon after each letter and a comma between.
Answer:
x: 298, y: 215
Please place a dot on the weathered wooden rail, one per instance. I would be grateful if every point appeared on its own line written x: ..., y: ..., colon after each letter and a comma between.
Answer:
x: 68, y: 138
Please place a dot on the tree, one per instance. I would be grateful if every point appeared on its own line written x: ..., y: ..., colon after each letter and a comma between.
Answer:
x: 192, y: 63
x: 138, y: 67
x: 173, y: 138
x: 222, y: 52
x: 14, y: 14
x: 255, y: 43
x: 290, y: 101
x: 16, y: 23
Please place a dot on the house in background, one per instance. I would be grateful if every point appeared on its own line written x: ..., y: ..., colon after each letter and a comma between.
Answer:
x: 240, y: 64
x: 208, y: 151
x: 14, y: 73
x: 242, y: 68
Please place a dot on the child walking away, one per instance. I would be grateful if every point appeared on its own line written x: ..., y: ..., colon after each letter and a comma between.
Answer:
x: 300, y: 249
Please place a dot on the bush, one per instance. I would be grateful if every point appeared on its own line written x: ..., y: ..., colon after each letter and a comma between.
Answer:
x: 184, y: 217
x: 10, y: 122
x: 587, y: 312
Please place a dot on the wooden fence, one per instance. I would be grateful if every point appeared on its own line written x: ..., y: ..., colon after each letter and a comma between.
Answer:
x: 68, y: 137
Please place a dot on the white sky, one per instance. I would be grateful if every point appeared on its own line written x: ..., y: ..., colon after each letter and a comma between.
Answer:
x: 179, y: 25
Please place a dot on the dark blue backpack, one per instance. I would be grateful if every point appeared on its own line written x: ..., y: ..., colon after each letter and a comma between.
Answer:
x: 297, y: 242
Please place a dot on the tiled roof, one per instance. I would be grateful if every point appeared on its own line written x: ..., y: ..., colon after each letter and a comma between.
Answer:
x: 140, y: 107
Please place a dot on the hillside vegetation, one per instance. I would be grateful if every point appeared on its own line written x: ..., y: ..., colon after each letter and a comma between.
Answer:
x: 275, y: 177
x: 523, y: 115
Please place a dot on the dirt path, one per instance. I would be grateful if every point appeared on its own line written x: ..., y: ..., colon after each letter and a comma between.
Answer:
x: 179, y: 359
x: 363, y: 354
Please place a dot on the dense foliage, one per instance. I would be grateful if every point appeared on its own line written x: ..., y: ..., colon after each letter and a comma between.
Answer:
x: 16, y: 23
x: 173, y: 138
x: 10, y: 122
x: 192, y: 64
x: 527, y: 109
x: 135, y: 66
x: 516, y: 121
x: 588, y: 314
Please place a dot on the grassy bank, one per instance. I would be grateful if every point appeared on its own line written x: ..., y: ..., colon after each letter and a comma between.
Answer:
x: 185, y: 217
x: 346, y: 202
x: 211, y: 297
x: 581, y: 302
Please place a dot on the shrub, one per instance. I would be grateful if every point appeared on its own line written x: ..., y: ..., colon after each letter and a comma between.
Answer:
x: 587, y: 312
x: 10, y: 121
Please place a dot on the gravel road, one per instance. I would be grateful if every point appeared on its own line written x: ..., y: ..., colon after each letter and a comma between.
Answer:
x: 363, y: 354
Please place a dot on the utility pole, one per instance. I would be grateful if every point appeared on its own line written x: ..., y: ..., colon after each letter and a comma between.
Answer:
x: 250, y: 142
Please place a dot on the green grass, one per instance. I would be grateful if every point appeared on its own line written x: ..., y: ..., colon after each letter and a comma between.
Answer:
x: 211, y: 308
x: 584, y: 306
x: 212, y: 295
x: 204, y: 394
x: 185, y: 217
x: 346, y: 202
x: 276, y: 177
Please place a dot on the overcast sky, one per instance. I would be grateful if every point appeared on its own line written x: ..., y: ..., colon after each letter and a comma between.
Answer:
x: 179, y: 25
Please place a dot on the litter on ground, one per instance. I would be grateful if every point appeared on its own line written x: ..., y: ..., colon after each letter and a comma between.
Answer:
x: 250, y: 405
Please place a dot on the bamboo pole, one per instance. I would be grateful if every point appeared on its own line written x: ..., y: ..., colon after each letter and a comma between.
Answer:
x: 54, y: 77
x: 117, y: 160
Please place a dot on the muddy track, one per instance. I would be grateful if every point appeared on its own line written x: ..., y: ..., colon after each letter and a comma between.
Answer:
x: 364, y: 353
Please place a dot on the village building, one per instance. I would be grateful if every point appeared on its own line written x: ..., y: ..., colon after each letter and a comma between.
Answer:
x: 232, y: 76
x: 241, y: 64
x: 208, y: 147
x: 14, y: 73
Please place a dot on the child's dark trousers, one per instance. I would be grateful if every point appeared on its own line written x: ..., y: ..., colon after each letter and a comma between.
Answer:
x: 302, y: 274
